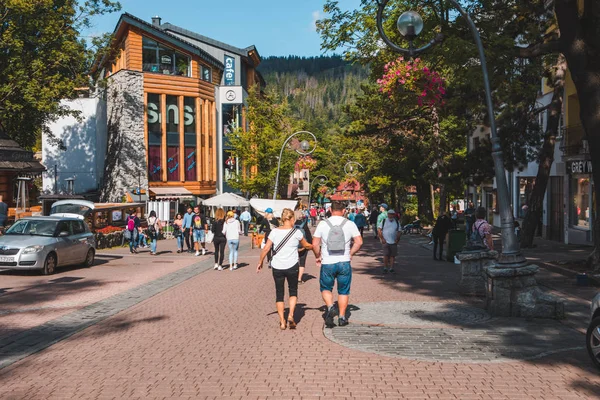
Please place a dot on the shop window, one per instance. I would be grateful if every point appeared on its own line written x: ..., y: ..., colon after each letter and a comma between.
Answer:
x: 172, y: 139
x: 580, y: 203
x: 189, y: 129
x: 154, y: 137
x: 206, y: 74
x: 163, y: 60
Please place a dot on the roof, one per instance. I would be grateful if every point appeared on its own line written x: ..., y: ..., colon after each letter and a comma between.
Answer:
x: 168, y: 37
x: 15, y: 158
x: 245, y: 52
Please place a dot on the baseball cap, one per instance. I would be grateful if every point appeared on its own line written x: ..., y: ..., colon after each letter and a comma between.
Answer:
x: 384, y: 205
x: 391, y: 212
x: 269, y: 210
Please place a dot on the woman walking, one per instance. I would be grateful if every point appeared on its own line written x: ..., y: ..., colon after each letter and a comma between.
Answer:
x: 219, y: 240
x: 178, y: 231
x: 153, y: 231
x: 231, y: 230
x: 285, y: 241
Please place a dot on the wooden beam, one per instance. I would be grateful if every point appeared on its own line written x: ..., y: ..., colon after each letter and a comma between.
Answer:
x: 199, y: 121
x: 163, y: 129
x: 213, y: 142
x: 181, y: 139
x: 146, y: 131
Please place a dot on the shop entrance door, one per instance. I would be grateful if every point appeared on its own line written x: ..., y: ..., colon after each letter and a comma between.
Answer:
x: 556, y: 220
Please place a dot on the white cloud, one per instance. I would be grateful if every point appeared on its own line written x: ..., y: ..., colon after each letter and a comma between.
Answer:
x: 316, y: 15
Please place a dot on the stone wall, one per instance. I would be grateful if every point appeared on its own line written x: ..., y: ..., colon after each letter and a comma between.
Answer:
x: 473, y: 264
x: 125, y: 163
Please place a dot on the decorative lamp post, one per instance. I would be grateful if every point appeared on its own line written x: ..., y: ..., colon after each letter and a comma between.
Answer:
x: 511, y: 283
x: 304, y: 150
x: 350, y: 168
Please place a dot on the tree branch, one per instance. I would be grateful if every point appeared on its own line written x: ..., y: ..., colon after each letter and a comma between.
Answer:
x: 540, y: 49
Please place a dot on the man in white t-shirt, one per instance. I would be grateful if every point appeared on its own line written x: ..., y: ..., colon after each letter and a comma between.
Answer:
x: 389, y: 234
x: 336, y: 267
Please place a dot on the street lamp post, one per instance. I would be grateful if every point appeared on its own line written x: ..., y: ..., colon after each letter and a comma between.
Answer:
x: 305, y: 149
x: 511, y: 269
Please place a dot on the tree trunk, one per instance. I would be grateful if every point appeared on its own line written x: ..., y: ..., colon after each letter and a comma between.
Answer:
x: 424, y: 199
x: 546, y: 156
x: 443, y: 199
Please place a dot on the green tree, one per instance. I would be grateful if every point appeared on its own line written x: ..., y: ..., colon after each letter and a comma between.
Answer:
x: 43, y: 60
x: 258, y: 147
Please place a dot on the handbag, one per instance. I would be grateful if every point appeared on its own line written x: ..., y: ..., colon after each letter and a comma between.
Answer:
x: 209, y: 236
x: 127, y: 234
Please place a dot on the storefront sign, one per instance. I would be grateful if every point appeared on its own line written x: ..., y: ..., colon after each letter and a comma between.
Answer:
x: 231, y: 95
x: 165, y: 60
x: 229, y: 71
x: 154, y: 114
x: 580, y: 167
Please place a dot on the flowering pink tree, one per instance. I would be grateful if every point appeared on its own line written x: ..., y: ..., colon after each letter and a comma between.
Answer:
x: 412, y: 76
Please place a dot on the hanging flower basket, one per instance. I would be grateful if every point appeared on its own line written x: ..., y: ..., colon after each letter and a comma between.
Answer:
x: 415, y: 77
x: 306, y: 162
x: 323, y: 191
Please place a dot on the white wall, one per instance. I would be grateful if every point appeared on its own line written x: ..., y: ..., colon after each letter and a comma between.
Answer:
x: 85, y: 141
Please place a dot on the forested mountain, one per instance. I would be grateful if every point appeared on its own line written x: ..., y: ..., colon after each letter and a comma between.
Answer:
x: 316, y: 88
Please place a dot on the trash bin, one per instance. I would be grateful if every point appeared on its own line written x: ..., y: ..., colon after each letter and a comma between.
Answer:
x: 457, y: 238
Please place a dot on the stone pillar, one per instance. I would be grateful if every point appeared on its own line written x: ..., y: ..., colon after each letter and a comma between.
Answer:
x: 473, y: 264
x: 513, y: 292
x: 125, y: 164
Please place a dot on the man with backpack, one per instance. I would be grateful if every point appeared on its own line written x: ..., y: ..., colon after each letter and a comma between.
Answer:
x: 389, y: 233
x: 188, y: 219
x: 332, y: 247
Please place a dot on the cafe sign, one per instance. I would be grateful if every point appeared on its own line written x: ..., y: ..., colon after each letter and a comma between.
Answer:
x: 580, y: 167
x: 229, y: 72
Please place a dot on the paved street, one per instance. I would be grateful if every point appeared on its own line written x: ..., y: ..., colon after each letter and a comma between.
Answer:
x: 171, y: 327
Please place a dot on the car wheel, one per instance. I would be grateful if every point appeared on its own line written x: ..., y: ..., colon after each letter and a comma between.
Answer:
x: 89, y: 258
x: 50, y: 264
x: 593, y: 341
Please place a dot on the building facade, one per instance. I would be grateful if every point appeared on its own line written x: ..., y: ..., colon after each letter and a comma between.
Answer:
x: 168, y: 91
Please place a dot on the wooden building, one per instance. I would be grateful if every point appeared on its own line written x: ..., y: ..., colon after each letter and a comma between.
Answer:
x: 165, y: 106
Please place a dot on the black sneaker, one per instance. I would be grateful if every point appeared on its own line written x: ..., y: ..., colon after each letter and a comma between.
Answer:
x: 329, y: 314
x: 342, y: 321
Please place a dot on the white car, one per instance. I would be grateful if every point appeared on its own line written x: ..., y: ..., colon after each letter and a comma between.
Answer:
x: 593, y: 332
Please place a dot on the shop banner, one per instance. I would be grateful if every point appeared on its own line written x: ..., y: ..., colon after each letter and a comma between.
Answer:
x: 580, y: 167
x: 229, y: 71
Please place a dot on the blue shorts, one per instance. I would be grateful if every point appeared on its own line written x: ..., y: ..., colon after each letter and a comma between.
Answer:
x: 199, y: 236
x: 340, y: 271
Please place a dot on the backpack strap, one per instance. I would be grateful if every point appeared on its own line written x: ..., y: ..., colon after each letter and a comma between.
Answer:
x: 328, y: 223
x: 343, y: 223
x: 284, y: 241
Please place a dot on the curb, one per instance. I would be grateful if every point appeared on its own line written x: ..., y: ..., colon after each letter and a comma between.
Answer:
x: 594, y: 281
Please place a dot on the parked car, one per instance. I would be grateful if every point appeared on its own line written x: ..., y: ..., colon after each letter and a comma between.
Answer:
x: 593, y: 332
x: 46, y: 243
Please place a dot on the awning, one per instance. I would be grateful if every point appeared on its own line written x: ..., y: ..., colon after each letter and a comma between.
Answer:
x: 226, y: 200
x: 171, y: 192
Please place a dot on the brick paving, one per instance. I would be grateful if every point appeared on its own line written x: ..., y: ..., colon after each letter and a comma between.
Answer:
x: 216, y: 335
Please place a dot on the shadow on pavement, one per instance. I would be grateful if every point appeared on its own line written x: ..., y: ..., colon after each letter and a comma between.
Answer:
x: 417, y: 272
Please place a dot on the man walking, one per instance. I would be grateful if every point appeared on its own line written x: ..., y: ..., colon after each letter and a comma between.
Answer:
x: 186, y: 225
x: 200, y: 227
x: 332, y: 247
x: 440, y: 230
x: 245, y: 218
x: 389, y: 234
x: 382, y: 216
x: 373, y: 221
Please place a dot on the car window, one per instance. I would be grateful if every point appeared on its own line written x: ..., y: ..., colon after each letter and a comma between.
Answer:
x: 32, y: 227
x: 64, y: 226
x: 77, y: 227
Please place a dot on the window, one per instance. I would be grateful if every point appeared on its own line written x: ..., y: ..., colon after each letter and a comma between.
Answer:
x: 189, y: 129
x: 77, y: 227
x: 206, y: 74
x: 580, y: 203
x: 163, y: 60
x: 154, y: 137
x: 172, y: 139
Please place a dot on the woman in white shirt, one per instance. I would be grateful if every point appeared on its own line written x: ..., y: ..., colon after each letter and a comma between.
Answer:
x: 231, y: 230
x: 284, y: 241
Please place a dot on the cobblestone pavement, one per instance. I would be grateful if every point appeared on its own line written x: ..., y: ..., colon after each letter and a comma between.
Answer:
x: 28, y: 299
x: 216, y: 335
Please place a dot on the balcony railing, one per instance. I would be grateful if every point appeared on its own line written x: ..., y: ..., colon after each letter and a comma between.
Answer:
x: 573, y: 141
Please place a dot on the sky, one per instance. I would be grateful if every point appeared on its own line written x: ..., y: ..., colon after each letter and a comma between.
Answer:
x: 275, y: 27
